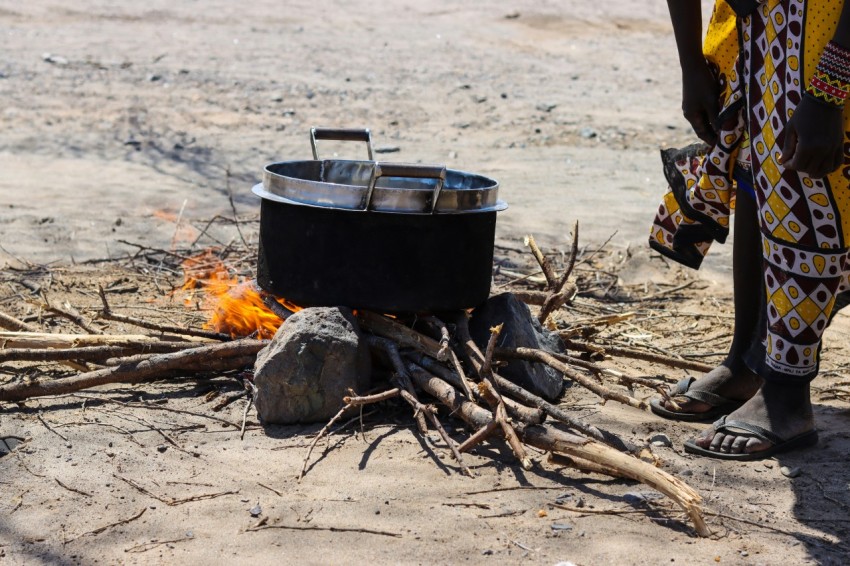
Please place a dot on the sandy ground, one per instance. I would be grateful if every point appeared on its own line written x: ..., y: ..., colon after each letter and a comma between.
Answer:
x: 134, y: 124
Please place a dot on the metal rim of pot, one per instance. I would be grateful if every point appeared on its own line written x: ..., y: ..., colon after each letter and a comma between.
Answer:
x: 375, y: 186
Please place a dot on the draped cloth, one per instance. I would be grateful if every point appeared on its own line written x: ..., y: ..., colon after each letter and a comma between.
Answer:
x: 764, y: 54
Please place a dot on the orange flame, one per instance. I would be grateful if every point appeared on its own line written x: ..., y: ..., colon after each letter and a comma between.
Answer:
x: 238, y: 309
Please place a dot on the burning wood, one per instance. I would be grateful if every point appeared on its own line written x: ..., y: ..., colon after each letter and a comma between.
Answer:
x: 430, y: 360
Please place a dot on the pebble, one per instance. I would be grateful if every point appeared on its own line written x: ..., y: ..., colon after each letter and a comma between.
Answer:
x: 256, y: 510
x: 661, y: 440
x: 561, y: 527
x: 791, y: 472
x: 55, y: 59
x: 546, y: 107
x: 154, y: 77
x: 161, y: 448
x: 588, y: 133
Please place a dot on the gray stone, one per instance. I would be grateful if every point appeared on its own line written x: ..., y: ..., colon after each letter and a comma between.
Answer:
x: 521, y: 330
x: 306, y: 370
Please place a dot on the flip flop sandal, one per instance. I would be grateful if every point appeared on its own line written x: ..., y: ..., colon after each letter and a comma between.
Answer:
x: 720, y: 405
x: 779, y: 444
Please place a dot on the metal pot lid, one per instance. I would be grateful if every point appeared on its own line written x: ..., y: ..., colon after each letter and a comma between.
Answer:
x: 379, y: 186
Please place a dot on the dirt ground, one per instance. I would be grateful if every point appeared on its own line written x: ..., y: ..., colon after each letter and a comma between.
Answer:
x: 135, y: 125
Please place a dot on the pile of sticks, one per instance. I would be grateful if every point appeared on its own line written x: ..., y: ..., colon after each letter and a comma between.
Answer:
x: 426, y: 357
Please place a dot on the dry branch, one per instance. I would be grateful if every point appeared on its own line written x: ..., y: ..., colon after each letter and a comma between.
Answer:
x: 640, y: 355
x: 107, y: 314
x: 487, y: 388
x: 87, y: 353
x: 388, y: 328
x: 547, y: 438
x: 45, y: 340
x: 216, y: 357
x: 530, y: 354
x: 12, y: 323
x: 545, y: 264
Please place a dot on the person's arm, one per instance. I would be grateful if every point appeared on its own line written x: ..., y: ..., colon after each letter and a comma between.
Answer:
x: 700, y: 89
x: 814, y: 136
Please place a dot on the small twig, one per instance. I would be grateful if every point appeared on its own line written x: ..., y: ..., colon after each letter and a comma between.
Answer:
x: 109, y: 526
x: 156, y: 543
x: 322, y: 433
x: 668, y: 291
x: 478, y: 436
x: 388, y: 348
x: 50, y: 428
x: 331, y: 529
x: 572, y: 262
x: 248, y: 403
x: 170, y: 501
x: 273, y: 490
x: 71, y: 314
x: 640, y: 355
x: 278, y: 309
x: 487, y: 387
x: 107, y: 314
x: 531, y: 354
x: 545, y: 265
x: 75, y: 490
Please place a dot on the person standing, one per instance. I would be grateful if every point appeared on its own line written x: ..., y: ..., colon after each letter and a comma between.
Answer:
x: 765, y: 93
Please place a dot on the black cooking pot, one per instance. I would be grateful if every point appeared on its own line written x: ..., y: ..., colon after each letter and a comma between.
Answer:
x: 376, y: 236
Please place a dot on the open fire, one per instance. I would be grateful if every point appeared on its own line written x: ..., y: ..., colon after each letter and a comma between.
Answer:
x: 236, y: 303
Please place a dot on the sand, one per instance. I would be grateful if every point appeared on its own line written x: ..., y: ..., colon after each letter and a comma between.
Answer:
x: 132, y: 126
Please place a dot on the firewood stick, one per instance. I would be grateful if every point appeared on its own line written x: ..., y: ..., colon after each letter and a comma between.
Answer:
x: 387, y: 328
x: 87, y: 353
x: 487, y: 388
x: 531, y: 297
x: 45, y: 340
x: 390, y: 350
x: 510, y: 389
x: 431, y: 412
x: 572, y: 262
x: 358, y: 400
x: 548, y: 438
x: 441, y: 327
x: 107, y: 314
x: 556, y: 300
x: 640, y: 355
x: 216, y: 356
x: 516, y: 410
x: 479, y: 436
x: 545, y: 265
x: 530, y: 354
x: 12, y: 323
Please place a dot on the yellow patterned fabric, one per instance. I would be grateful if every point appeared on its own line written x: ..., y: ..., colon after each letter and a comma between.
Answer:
x: 804, y: 221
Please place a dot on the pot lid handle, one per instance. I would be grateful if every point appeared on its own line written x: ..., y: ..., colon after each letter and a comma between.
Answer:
x: 384, y: 169
x: 340, y: 134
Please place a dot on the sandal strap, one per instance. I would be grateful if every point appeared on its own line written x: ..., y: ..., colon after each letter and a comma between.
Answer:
x: 682, y: 386
x: 708, y: 397
x: 683, y: 389
x: 723, y: 425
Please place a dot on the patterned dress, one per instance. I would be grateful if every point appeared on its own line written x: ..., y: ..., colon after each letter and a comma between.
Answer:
x: 764, y: 56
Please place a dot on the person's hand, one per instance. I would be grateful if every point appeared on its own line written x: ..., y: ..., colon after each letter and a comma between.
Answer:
x: 814, y: 139
x: 701, y: 100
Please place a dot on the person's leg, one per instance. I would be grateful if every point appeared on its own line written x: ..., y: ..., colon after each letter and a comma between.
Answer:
x: 732, y: 379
